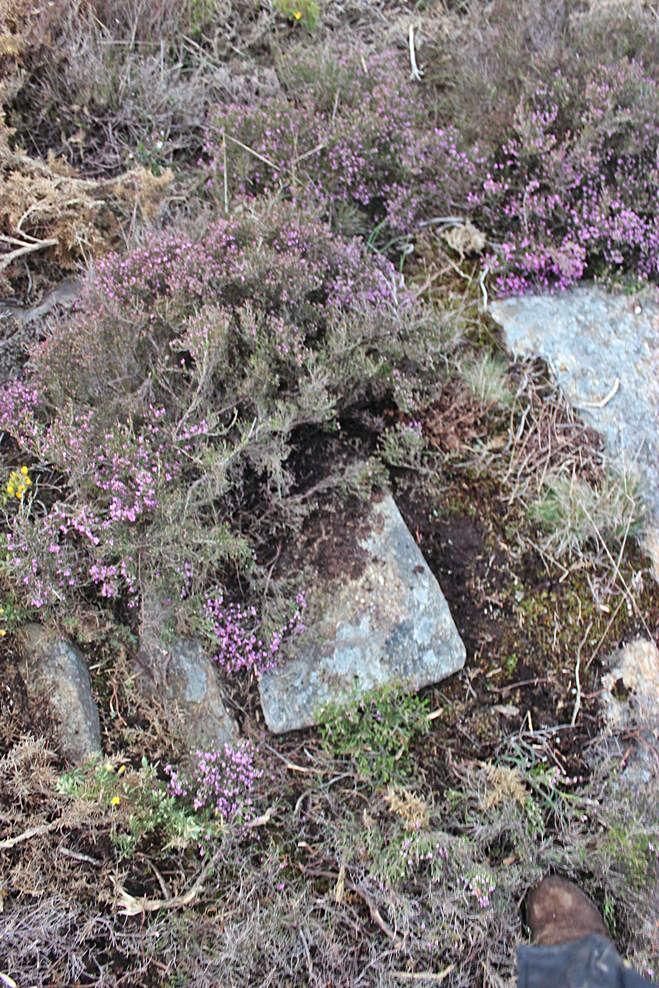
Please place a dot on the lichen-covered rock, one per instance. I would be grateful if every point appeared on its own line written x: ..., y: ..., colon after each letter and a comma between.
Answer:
x: 604, y: 351
x: 178, y: 675
x: 381, y: 622
x: 635, y: 667
x: 651, y: 548
x: 55, y: 673
x: 630, y: 700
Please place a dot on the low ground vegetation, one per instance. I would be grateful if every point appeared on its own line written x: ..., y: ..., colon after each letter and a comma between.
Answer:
x: 297, y: 237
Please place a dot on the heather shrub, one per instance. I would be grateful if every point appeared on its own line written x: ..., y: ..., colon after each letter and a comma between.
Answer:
x: 351, y: 131
x: 564, y: 190
x: 571, y: 191
x: 237, y: 647
x: 561, y: 103
x: 107, y: 84
x: 159, y: 419
x: 219, y: 784
x: 482, y: 63
x: 99, y: 90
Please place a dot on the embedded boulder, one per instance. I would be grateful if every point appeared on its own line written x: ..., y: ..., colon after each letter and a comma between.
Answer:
x: 630, y: 687
x: 603, y: 349
x: 382, y: 620
x: 630, y: 702
x: 55, y: 674
x: 177, y: 675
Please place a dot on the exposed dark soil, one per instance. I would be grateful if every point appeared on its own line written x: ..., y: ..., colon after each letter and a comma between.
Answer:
x: 521, y: 626
x: 329, y: 543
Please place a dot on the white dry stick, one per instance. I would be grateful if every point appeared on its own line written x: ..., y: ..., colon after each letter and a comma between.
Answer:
x: 443, y: 221
x: 481, y: 281
x: 224, y: 167
x: 436, y: 977
x: 130, y: 905
x: 416, y: 73
x: 601, y: 402
x: 28, y: 834
x: 22, y: 248
x: 307, y: 154
x: 261, y: 821
x: 577, y: 677
x: 246, y: 147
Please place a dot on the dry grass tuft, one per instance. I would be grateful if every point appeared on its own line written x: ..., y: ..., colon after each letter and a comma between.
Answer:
x: 50, y: 216
x: 411, y: 809
x: 503, y: 784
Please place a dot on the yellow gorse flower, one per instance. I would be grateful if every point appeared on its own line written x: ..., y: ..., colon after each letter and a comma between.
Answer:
x: 297, y: 14
x: 18, y: 483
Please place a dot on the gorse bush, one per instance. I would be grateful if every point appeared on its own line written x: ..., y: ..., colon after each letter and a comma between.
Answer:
x: 143, y: 810
x: 306, y: 12
x: 159, y: 419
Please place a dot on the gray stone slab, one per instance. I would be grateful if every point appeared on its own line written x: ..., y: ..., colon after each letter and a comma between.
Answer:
x: 55, y: 673
x: 389, y: 623
x: 182, y: 681
x: 592, y: 339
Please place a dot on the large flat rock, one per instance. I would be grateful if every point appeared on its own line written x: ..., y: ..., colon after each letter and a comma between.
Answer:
x: 385, y: 620
x: 599, y: 345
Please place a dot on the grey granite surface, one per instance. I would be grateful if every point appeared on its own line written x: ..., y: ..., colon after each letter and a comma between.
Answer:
x: 390, y: 623
x: 603, y: 349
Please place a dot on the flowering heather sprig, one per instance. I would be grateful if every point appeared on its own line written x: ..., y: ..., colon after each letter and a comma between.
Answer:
x: 133, y: 468
x: 66, y: 549
x: 167, y: 265
x: 239, y: 648
x: 44, y: 567
x: 299, y: 260
x: 480, y: 886
x: 417, y: 853
x: 220, y: 781
x: 18, y: 403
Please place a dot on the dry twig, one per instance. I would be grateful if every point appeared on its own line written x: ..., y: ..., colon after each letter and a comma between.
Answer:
x: 130, y: 905
x: 27, y: 834
x: 415, y: 72
x: 577, y: 677
x: 437, y: 976
x: 22, y: 248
